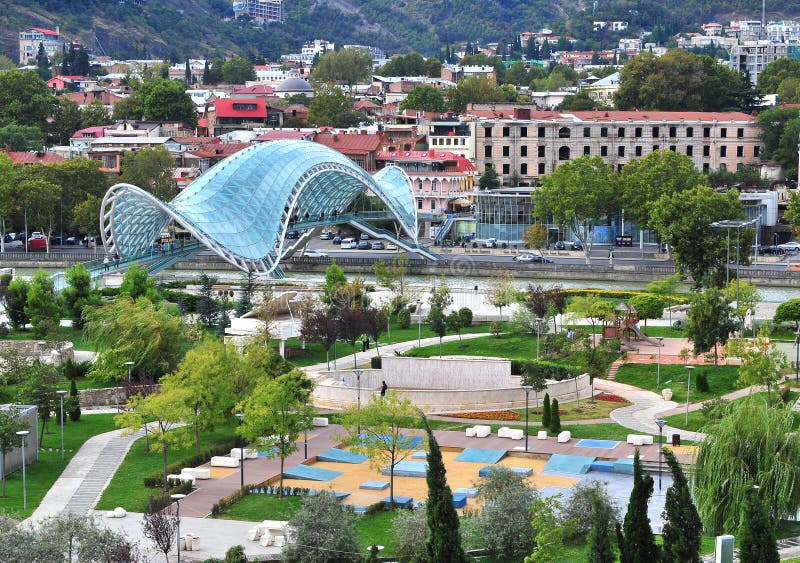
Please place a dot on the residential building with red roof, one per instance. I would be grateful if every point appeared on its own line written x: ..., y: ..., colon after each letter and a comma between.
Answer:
x: 93, y: 95
x: 253, y: 91
x: 34, y: 157
x: 76, y: 83
x: 230, y: 114
x: 30, y: 39
x: 361, y: 147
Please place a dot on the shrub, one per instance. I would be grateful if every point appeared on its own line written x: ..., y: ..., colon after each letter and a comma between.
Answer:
x: 376, y: 508
x: 235, y: 554
x: 4, y: 330
x: 375, y: 362
x: 715, y: 409
x: 404, y: 318
x: 679, y: 324
x: 547, y: 370
x: 786, y: 393
x: 555, y: 418
x: 465, y: 316
x: 505, y: 519
x: 701, y: 383
x: 410, y: 530
x: 73, y: 403
x: 496, y: 328
x: 578, y: 508
x: 156, y: 479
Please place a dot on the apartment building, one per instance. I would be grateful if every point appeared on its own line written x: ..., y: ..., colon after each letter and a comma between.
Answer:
x: 753, y: 56
x: 30, y: 39
x: 259, y: 10
x: 528, y: 144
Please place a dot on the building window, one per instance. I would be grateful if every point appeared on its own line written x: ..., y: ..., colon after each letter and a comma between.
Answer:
x: 506, y: 131
x: 419, y: 185
x: 756, y: 150
x: 723, y: 132
x: 541, y: 168
x: 706, y: 150
x: 723, y: 151
x: 690, y: 132
x: 638, y: 151
x: 487, y: 132
x: 705, y: 168
x: 673, y: 148
x: 723, y: 167
x: 740, y: 151
x: 655, y: 132
x: 564, y: 133
x: 740, y: 132
x: 621, y: 132
x: 506, y: 169
x: 523, y: 150
x: 587, y: 132
x: 620, y: 151
x: 604, y: 151
x: 637, y: 132
x: 563, y: 153
x: 604, y: 131
x: 587, y: 150
x: 655, y: 148
x: 540, y: 152
x: 433, y: 205
x: 419, y: 204
x: 706, y: 132
x: 689, y: 150
x: 523, y: 169
x: 506, y: 150
x: 541, y: 131
x: 487, y: 151
x: 523, y: 131
x: 673, y: 132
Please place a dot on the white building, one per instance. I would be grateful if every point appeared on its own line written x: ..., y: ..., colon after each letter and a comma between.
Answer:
x: 753, y: 56
x: 259, y: 10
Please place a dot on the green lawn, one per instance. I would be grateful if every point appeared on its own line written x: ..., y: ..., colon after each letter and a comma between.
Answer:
x: 258, y: 507
x: 8, y: 393
x: 697, y: 421
x: 376, y: 529
x: 579, y: 410
x: 721, y: 380
x: 126, y: 488
x: 41, y: 475
x: 76, y: 336
x: 652, y: 331
x: 511, y: 346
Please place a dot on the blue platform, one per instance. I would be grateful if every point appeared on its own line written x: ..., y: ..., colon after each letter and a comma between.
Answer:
x: 410, y: 442
x: 459, y: 501
x: 603, y: 466
x: 469, y: 493
x: 374, y: 485
x: 311, y: 473
x: 604, y: 444
x: 419, y: 455
x: 484, y: 471
x: 624, y: 466
x: 476, y: 455
x: 559, y: 464
x: 341, y: 456
x: 408, y: 469
x: 403, y: 502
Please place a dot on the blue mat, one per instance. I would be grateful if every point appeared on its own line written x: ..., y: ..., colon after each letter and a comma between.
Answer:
x: 459, y: 501
x: 484, y: 471
x: 272, y: 452
x: 404, y: 502
x: 408, y: 469
x: 605, y: 444
x: 476, y: 455
x: 624, y: 466
x: 410, y: 442
x: 569, y: 464
x: 341, y: 456
x: 469, y: 493
x: 311, y: 473
x: 419, y: 455
x: 374, y: 485
x: 603, y: 466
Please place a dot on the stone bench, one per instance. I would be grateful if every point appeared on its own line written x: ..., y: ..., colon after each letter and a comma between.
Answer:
x: 482, y: 431
x: 542, y: 435
x: 197, y: 472
x: 249, y: 453
x: 319, y: 421
x: 224, y: 461
x: 564, y: 437
x: 506, y: 432
x: 640, y: 439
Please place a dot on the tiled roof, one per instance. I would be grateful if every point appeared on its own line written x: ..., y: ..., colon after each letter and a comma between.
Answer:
x: 45, y: 31
x: 279, y: 134
x: 661, y: 115
x: 96, y: 131
x: 254, y: 89
x: 225, y: 108
x: 344, y: 142
x: 218, y: 150
x: 463, y: 164
x: 34, y: 157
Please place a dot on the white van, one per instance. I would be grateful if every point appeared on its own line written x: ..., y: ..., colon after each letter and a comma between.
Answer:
x: 349, y: 243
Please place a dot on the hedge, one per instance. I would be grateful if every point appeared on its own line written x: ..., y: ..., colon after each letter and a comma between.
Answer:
x: 187, y: 300
x: 156, y: 479
x: 226, y: 502
x: 549, y: 370
x: 621, y: 294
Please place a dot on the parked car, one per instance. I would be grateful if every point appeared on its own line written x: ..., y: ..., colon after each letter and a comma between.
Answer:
x: 14, y: 245
x: 794, y: 267
x: 364, y: 236
x: 314, y: 253
x: 490, y: 243
x: 364, y: 245
x: 771, y: 250
x: 391, y: 246
x: 37, y: 245
x: 9, y: 237
x: 326, y: 235
x: 532, y: 258
x: 561, y: 245
x: 36, y: 235
x: 377, y: 245
x: 337, y: 240
x: 72, y: 240
x: 293, y: 234
x: 791, y: 246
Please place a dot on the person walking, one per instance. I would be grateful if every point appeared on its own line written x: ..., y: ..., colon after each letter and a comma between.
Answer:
x: 116, y: 260
x: 384, y: 387
x: 105, y: 264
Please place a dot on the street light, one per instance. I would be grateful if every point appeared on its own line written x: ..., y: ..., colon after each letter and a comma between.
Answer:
x: 527, y: 389
x: 796, y: 355
x: 539, y: 322
x: 419, y: 324
x: 660, y: 422
x: 660, y: 343
x: 130, y: 365
x: 688, y: 389
x: 728, y: 225
x: 358, y: 373
x: 240, y: 416
x: 61, y: 393
x: 24, y: 433
x: 177, y: 497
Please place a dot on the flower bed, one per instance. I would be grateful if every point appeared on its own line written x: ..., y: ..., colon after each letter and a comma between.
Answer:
x: 610, y: 398
x: 488, y: 415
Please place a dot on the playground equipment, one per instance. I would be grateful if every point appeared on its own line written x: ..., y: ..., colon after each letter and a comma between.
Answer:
x: 626, y: 327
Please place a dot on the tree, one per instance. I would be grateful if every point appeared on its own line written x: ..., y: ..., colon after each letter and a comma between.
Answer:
x: 379, y: 431
x: 66, y: 120
x: 757, y: 534
x: 709, y: 321
x: 346, y: 67
x: 745, y: 295
x: 320, y: 528
x: 237, y: 70
x: 78, y: 293
x: 393, y: 275
x: 10, y: 424
x: 505, y: 520
x: 167, y: 100
x: 788, y: 312
x: 374, y: 325
x: 412, y: 64
x: 453, y: 322
x: 770, y: 79
x: 792, y: 213
x: 636, y: 541
x: 39, y: 200
x: 535, y: 236
x: 16, y: 299
x: 410, y: 533
x: 534, y: 377
x: 25, y: 99
x: 779, y: 131
x: 95, y: 114
x: 762, y: 362
x: 580, y: 505
x: 330, y: 107
x: 276, y: 413
x: 444, y: 540
x: 38, y: 387
x: 137, y: 283
x: 437, y: 321
x: 501, y: 292
x: 160, y: 526
x: 555, y: 418
x: 424, y: 98
x: 580, y: 101
x: 546, y: 411
x: 152, y: 170
x: 41, y: 307
x: 548, y: 530
x: 752, y: 443
x: 489, y: 180
x: 579, y: 194
x: 21, y: 137
x: 207, y: 306
x: 648, y: 306
x: 683, y: 529
x: 600, y: 548
x: 322, y: 328
x: 164, y: 413
x: 476, y: 89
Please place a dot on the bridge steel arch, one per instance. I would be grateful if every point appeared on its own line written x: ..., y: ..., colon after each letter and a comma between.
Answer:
x: 242, y: 207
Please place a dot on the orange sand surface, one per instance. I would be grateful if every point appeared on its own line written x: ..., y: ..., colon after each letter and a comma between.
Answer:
x: 220, y: 472
x: 459, y: 474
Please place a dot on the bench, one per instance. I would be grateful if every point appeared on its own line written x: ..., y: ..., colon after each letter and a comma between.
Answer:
x: 506, y: 432
x: 482, y: 431
x: 541, y: 435
x: 319, y: 421
x: 564, y: 437
x: 249, y: 453
x: 197, y: 472
x: 224, y: 461
x: 640, y: 439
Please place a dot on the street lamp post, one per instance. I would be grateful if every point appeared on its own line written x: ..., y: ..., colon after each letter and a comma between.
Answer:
x: 796, y: 355
x: 23, y: 434
x: 419, y: 324
x: 660, y: 343
x: 130, y: 366
x: 660, y: 422
x: 527, y: 389
x: 539, y: 321
x: 728, y: 225
x: 61, y: 393
x: 358, y: 391
x: 688, y: 390
x: 240, y: 416
x: 178, y: 497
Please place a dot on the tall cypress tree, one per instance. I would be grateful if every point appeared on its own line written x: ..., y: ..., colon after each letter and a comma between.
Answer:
x: 555, y: 418
x: 599, y: 540
x: 757, y: 535
x: 187, y: 73
x: 546, y: 411
x: 683, y: 529
x: 206, y: 73
x: 638, y: 543
x: 444, y: 541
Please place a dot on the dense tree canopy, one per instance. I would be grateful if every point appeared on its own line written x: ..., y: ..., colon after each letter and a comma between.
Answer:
x: 237, y: 70
x: 780, y: 128
x: 25, y: 99
x: 424, y: 97
x: 167, y: 100
x: 773, y: 75
x: 150, y: 169
x: 477, y: 89
x: 330, y: 107
x: 346, y: 67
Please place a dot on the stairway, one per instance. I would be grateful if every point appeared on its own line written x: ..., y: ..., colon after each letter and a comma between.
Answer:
x: 612, y: 371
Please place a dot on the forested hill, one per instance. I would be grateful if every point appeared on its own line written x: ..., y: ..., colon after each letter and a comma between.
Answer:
x: 181, y: 28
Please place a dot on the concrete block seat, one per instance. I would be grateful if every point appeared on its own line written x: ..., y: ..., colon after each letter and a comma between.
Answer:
x: 541, y: 435
x: 319, y: 421
x: 224, y: 461
x: 564, y: 437
x: 249, y: 453
x: 197, y: 472
x: 640, y: 439
x: 482, y: 431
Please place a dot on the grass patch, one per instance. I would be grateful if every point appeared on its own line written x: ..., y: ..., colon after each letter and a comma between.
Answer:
x: 258, y: 507
x: 10, y: 393
x: 41, y: 475
x: 126, y: 488
x: 376, y: 529
x: 510, y: 346
x: 579, y: 410
x: 74, y: 335
x: 698, y: 421
x: 652, y: 331
x: 721, y: 380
